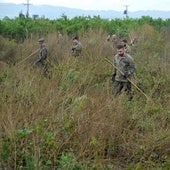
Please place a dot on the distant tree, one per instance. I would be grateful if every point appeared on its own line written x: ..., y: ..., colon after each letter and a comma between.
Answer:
x: 21, y: 15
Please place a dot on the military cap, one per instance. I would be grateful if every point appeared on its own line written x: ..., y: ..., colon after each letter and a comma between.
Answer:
x: 75, y: 38
x: 41, y: 40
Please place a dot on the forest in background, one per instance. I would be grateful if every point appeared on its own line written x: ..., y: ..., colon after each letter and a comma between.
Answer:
x: 70, y: 120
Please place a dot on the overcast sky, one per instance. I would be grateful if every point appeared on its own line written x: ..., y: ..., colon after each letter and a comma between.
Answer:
x: 117, y: 5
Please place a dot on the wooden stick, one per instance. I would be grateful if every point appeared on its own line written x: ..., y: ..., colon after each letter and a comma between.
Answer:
x: 27, y: 57
x: 127, y: 78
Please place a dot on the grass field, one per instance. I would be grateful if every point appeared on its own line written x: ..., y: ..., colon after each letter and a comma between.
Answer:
x: 69, y: 119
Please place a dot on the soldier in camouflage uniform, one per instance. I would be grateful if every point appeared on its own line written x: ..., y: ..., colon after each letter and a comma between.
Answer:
x: 77, y: 47
x: 123, y: 71
x: 43, y: 54
x: 126, y: 46
x: 113, y: 39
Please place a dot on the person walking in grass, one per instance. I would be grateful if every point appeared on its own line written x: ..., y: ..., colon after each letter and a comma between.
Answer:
x: 43, y: 55
x: 77, y: 47
x: 113, y: 39
x: 124, y: 68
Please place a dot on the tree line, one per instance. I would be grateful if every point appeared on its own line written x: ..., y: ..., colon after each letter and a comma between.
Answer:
x: 22, y: 28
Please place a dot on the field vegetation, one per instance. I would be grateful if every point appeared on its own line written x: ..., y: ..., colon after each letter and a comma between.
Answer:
x: 69, y: 119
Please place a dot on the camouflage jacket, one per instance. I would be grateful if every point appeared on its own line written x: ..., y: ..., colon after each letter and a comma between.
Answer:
x: 124, y: 64
x: 77, y: 49
x: 43, y: 54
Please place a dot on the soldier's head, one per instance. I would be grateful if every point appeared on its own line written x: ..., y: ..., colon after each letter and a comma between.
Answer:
x: 114, y: 36
x: 75, y: 39
x: 120, y: 50
x: 41, y: 42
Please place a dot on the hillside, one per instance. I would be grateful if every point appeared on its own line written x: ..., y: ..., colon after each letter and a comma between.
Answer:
x: 65, y: 117
x: 52, y: 12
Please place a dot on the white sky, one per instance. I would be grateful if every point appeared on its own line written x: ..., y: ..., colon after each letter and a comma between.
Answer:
x: 117, y: 5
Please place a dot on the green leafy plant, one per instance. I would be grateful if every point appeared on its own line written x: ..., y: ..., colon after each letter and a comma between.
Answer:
x: 68, y: 162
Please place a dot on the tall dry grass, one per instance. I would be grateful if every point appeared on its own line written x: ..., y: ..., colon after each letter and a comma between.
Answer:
x: 75, y: 112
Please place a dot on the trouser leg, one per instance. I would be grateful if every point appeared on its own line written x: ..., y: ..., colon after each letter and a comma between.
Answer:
x: 117, y: 87
x: 128, y: 89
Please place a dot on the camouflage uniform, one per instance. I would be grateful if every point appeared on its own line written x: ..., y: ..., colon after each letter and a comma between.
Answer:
x: 43, y: 54
x: 114, y: 39
x: 108, y: 38
x: 124, y: 64
x: 77, y: 49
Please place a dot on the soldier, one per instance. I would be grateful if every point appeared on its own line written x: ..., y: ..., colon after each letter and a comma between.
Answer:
x: 60, y: 40
x: 60, y: 36
x: 108, y: 37
x: 43, y: 54
x: 77, y: 47
x: 126, y: 46
x: 123, y: 71
x: 113, y: 39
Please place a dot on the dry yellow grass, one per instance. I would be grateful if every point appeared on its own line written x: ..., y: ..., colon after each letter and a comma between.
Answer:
x: 74, y: 111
